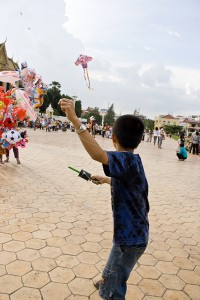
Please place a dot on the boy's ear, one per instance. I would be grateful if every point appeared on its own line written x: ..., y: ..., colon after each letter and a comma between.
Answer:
x: 114, y: 139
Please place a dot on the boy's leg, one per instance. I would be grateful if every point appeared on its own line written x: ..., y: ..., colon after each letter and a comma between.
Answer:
x: 120, y: 263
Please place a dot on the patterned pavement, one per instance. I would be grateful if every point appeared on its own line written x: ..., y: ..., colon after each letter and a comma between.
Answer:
x: 56, y: 229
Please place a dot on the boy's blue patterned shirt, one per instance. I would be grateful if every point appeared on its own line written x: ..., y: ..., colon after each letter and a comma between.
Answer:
x: 129, y: 190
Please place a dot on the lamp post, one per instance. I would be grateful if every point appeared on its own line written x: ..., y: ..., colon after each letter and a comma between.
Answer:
x: 103, y: 112
x: 74, y: 99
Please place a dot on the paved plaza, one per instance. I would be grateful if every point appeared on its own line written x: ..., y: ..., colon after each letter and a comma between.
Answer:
x: 56, y: 228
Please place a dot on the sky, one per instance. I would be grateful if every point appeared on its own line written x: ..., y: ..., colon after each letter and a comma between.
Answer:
x: 146, y: 53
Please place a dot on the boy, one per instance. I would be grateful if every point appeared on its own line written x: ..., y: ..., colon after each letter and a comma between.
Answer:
x: 130, y: 205
x: 182, y: 153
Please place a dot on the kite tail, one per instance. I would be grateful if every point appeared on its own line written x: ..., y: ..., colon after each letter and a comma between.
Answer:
x: 87, y: 78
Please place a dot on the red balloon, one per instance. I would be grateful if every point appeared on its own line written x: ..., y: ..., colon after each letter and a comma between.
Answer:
x: 9, y: 123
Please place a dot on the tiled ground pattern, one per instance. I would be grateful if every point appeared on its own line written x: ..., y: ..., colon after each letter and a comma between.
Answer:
x: 56, y: 229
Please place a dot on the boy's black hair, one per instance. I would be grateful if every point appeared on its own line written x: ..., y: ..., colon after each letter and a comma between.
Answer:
x: 181, y: 145
x: 128, y: 130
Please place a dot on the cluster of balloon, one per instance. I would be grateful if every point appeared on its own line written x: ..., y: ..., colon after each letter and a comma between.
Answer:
x: 33, y: 85
x: 10, y: 112
x: 83, y: 61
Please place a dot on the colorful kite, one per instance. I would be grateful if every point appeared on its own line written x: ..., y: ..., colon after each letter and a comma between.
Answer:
x: 83, y: 61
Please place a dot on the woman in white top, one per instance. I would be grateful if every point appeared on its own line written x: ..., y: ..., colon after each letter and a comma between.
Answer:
x: 156, y: 134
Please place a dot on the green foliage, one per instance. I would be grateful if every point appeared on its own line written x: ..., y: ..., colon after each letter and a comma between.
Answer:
x: 173, y: 129
x: 95, y: 114
x: 110, y: 116
x: 149, y: 124
x: 52, y: 97
x: 78, y: 108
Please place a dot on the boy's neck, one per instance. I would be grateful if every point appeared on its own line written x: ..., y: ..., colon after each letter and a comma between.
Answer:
x: 122, y: 149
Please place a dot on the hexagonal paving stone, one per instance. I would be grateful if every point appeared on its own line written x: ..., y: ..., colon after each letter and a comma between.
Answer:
x: 183, y: 262
x: 189, y: 277
x: 148, y: 260
x: 64, y: 225
x: 106, y: 244
x: 93, y: 237
x: 42, y: 234
x: 35, y: 244
x: 28, y: 254
x: 51, y: 252
x: 133, y: 292
x: 2, y: 270
x: 10, y: 229
x: 4, y: 297
x: 104, y: 253
x: 151, y: 287
x: 91, y: 247
x: 67, y: 261
x: 134, y: 278
x: 35, y: 279
x: 88, y: 258
x: 19, y: 267
x: 55, y: 290
x: 61, y: 232
x: 81, y: 286
x: 72, y: 249
x: 75, y: 239
x: 171, y: 282
x: 26, y: 293
x: 62, y: 275
x: 78, y: 231
x: 44, y: 264
x: 47, y: 226
x: 73, y: 297
x: 85, y: 271
x: 56, y: 241
x: 167, y: 267
x: 14, y: 246
x: 193, y: 291
x: 148, y: 272
x: 7, y: 257
x: 178, y: 252
x: 163, y: 255
x: 9, y: 284
x: 29, y: 227
x: 22, y: 236
x: 4, y: 238
x: 175, y: 295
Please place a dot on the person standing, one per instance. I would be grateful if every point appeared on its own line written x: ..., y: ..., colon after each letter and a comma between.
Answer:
x: 195, y: 143
x: 161, y: 137
x: 125, y: 173
x: 155, y: 135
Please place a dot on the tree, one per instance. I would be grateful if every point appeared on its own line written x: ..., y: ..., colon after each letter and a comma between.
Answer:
x: 148, y: 124
x: 52, y: 97
x: 172, y: 129
x: 95, y: 113
x: 110, y: 116
x: 78, y: 108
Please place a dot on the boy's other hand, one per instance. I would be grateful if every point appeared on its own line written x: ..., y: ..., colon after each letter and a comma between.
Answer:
x: 97, y: 179
x: 67, y: 106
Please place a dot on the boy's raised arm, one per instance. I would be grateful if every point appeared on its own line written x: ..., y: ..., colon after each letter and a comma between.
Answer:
x: 89, y: 143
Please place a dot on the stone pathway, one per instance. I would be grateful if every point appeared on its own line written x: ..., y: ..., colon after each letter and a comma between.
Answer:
x: 56, y: 229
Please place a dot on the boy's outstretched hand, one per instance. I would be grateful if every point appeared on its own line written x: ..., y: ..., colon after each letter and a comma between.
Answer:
x: 67, y: 106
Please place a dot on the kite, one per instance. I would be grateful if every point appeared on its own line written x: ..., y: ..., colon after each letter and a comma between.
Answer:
x: 83, y: 61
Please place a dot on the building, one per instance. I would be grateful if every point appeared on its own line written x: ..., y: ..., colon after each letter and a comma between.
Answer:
x: 168, y: 119
x: 6, y: 64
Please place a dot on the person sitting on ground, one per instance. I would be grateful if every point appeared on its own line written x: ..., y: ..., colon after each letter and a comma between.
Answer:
x: 182, y: 153
x: 125, y: 173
